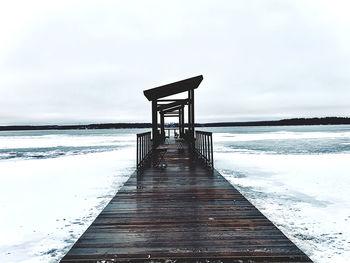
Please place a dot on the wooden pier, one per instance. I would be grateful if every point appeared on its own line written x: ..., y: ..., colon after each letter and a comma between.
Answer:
x: 183, y: 212
x: 176, y: 207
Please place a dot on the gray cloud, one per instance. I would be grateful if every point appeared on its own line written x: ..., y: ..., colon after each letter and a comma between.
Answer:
x: 90, y: 61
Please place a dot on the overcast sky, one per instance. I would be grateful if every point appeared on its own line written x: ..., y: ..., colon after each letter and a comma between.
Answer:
x: 65, y: 62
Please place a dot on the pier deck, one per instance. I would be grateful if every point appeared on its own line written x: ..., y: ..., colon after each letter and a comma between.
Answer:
x: 185, y: 213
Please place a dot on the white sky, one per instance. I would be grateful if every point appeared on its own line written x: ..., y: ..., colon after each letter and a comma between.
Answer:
x: 67, y: 62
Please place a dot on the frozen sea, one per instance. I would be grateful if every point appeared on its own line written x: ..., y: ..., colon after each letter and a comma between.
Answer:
x: 54, y: 183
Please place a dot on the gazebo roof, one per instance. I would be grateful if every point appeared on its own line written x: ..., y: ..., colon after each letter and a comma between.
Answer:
x: 173, y: 88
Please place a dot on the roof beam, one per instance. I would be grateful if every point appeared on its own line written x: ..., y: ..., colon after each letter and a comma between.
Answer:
x: 173, y: 88
x: 170, y: 100
x: 172, y: 105
x: 171, y: 109
x: 172, y: 112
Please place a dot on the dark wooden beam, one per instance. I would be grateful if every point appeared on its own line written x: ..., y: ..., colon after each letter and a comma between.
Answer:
x: 172, y: 112
x: 162, y: 125
x: 180, y: 115
x: 171, y: 109
x: 173, y: 88
x: 192, y: 111
x: 154, y: 123
x: 183, y: 120
x: 170, y: 100
x: 163, y: 107
x: 189, y: 112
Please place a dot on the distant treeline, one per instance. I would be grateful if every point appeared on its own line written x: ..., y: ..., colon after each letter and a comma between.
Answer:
x: 76, y: 127
x: 285, y: 122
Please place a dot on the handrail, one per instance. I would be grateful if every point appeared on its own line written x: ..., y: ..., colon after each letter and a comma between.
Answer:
x: 204, y: 147
x: 143, y: 148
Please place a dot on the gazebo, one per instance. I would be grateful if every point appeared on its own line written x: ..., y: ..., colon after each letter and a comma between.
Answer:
x: 169, y: 107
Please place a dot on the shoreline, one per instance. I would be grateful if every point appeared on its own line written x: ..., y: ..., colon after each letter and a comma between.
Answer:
x: 284, y: 122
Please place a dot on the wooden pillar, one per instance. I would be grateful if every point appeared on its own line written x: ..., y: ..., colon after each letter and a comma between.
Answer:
x: 162, y: 131
x: 189, y: 112
x: 192, y: 111
x: 182, y: 121
x: 154, y: 123
x: 179, y: 122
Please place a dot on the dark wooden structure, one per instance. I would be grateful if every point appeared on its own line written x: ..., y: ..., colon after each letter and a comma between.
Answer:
x: 173, y: 107
x: 185, y: 211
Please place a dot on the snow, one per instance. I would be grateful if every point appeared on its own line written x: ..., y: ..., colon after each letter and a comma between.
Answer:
x: 306, y: 196
x: 47, y: 204
x: 281, y: 135
x: 297, y: 176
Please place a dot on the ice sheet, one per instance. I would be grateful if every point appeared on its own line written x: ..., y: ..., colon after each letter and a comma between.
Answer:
x: 47, y: 204
x: 306, y: 196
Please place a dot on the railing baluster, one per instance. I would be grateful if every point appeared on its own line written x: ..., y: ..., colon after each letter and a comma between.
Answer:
x: 143, y: 148
x: 212, y: 151
x: 204, y: 147
x: 202, y: 150
x: 208, y: 149
x: 137, y: 151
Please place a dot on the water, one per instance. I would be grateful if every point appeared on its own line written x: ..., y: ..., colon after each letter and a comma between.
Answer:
x: 52, y: 144
x: 54, y: 183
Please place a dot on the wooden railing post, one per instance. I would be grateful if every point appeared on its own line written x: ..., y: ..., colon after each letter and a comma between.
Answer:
x: 204, y: 148
x: 143, y: 149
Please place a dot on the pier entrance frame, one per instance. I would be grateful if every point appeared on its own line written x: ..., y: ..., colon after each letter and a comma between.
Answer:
x: 167, y: 107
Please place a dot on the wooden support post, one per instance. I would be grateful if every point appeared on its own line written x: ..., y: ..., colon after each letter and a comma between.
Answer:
x: 182, y: 122
x: 162, y: 131
x: 179, y: 121
x: 189, y: 112
x: 212, y: 152
x: 154, y: 123
x: 192, y: 111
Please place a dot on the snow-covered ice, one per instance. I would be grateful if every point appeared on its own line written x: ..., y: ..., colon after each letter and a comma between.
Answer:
x: 54, y: 183
x: 305, y: 194
x: 46, y: 204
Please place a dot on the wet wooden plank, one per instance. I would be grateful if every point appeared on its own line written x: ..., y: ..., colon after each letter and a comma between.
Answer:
x: 184, y: 213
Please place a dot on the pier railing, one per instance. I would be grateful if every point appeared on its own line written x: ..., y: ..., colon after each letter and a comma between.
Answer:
x: 143, y: 148
x: 204, y: 147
